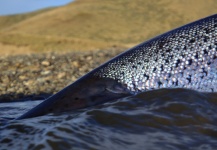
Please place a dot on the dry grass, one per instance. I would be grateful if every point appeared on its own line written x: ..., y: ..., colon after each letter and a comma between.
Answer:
x: 97, y: 24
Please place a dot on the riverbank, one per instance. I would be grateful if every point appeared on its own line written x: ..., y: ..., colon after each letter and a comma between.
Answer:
x: 37, y: 76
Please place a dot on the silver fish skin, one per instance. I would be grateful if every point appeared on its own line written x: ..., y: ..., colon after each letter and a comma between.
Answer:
x: 185, y: 57
x: 182, y: 58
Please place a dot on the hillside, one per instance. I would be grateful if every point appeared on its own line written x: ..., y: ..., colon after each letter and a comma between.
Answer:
x: 97, y: 24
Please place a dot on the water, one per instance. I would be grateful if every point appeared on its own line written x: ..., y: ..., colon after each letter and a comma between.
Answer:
x: 167, y: 119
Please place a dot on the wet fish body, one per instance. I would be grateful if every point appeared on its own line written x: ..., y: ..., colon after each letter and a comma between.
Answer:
x: 182, y: 58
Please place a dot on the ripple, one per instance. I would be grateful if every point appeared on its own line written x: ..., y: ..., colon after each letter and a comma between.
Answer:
x: 162, y: 119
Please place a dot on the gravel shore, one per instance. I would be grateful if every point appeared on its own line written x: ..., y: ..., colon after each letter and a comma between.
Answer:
x: 37, y: 76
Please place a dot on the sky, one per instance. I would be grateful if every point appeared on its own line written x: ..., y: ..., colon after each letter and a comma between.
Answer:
x: 9, y: 7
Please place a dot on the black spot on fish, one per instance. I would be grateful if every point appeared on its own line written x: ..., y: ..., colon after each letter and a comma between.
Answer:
x: 183, y: 55
x: 207, y: 31
x: 192, y: 41
x: 162, y: 68
x: 177, y: 63
x: 189, y: 62
x: 189, y: 79
x: 122, y: 73
x: 196, y: 56
x: 171, y: 56
x: 146, y: 60
x: 168, y: 50
x: 212, y: 89
x: 206, y: 38
x: 139, y: 63
x: 161, y: 44
x: 204, y: 71
x: 155, y: 59
x: 131, y: 60
x: 176, y: 83
x: 76, y: 98
x: 167, y: 60
x: 156, y: 51
x: 134, y: 67
x: 154, y: 69
x: 159, y: 83
x: 145, y: 75
x: 205, y: 52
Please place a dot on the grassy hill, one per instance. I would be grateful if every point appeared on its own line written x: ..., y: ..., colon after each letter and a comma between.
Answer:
x: 97, y: 24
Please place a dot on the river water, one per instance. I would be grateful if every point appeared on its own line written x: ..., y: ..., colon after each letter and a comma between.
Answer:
x: 167, y: 119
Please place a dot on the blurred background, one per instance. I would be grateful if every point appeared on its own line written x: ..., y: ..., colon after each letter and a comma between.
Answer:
x: 11, y: 7
x: 30, y: 26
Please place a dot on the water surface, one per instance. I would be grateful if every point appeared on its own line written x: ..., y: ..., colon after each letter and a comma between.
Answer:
x: 165, y: 119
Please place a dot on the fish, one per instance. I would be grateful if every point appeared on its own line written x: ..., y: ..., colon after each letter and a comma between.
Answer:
x: 185, y: 57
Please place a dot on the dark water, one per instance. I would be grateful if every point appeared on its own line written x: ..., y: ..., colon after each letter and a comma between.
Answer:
x: 162, y: 119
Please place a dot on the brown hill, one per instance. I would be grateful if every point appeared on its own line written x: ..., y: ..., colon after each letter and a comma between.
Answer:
x: 97, y: 24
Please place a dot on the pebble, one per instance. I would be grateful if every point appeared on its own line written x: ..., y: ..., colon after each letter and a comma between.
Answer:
x: 22, y: 77
x: 61, y: 75
x: 45, y: 63
x: 46, y: 72
x: 30, y: 77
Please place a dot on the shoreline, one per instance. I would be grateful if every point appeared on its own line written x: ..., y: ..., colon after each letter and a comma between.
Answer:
x: 39, y: 75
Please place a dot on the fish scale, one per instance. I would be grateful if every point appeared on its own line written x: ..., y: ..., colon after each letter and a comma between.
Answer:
x: 182, y: 58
